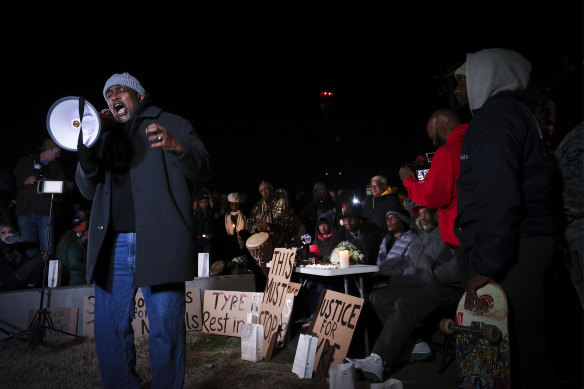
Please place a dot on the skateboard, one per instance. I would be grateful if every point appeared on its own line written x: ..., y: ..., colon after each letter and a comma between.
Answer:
x: 482, y: 340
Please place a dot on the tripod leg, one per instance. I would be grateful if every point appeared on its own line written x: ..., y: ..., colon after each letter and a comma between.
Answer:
x: 50, y: 325
x: 36, y: 333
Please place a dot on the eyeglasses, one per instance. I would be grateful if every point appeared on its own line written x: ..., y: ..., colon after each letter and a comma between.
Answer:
x: 55, y: 150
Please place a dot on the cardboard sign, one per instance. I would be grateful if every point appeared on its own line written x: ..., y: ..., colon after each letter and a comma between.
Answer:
x: 334, y: 322
x: 275, y: 296
x: 294, y: 287
x: 64, y: 321
x: 285, y: 319
x: 225, y: 311
x: 140, y: 322
x: 88, y: 315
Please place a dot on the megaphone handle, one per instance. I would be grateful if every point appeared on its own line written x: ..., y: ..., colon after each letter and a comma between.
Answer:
x: 80, y: 139
x: 81, y: 111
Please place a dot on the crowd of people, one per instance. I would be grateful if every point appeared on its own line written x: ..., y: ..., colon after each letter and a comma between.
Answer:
x: 433, y: 238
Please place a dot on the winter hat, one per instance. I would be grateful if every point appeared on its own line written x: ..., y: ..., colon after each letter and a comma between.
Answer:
x: 234, y: 197
x: 123, y: 79
x: 202, y: 195
x: 353, y: 210
x: 403, y: 214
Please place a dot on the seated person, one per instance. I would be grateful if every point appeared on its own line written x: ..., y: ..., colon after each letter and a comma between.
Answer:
x: 324, y: 234
x: 431, y: 260
x: 394, y: 253
x: 323, y: 240
x: 360, y: 232
x: 72, y: 251
x: 430, y: 282
x: 17, y: 271
x: 272, y: 214
x: 204, y: 226
x: 235, y: 228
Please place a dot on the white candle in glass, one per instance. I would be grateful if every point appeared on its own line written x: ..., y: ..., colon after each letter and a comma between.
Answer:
x: 344, y: 259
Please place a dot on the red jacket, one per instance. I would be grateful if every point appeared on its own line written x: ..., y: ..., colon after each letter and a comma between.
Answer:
x: 438, y: 190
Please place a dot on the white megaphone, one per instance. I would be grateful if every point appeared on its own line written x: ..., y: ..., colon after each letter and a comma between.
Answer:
x: 67, y: 116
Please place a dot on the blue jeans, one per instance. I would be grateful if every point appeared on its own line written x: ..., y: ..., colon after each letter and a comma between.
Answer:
x: 114, y: 335
x: 35, y: 229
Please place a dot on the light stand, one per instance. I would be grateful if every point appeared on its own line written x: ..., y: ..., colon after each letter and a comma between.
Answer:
x: 42, y: 318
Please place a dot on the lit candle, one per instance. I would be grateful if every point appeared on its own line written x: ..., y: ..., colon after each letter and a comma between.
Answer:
x: 314, y: 249
x: 344, y: 259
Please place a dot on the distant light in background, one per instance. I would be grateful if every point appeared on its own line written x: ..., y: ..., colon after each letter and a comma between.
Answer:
x: 355, y: 200
x: 326, y: 94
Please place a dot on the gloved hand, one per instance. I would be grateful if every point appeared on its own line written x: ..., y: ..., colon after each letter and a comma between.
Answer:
x: 86, y: 155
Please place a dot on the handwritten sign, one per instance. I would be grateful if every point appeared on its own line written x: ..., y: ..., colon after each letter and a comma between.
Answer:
x: 140, y: 322
x: 63, y: 320
x: 275, y: 296
x: 225, y: 311
x: 285, y: 320
x: 294, y: 288
x: 88, y: 315
x: 334, y: 323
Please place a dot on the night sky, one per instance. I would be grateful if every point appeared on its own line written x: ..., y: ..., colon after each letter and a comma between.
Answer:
x: 259, y: 111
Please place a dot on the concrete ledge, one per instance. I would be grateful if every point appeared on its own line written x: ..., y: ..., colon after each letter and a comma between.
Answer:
x: 15, y: 305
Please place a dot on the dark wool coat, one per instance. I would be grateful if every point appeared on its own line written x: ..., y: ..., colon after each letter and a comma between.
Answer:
x: 161, y: 189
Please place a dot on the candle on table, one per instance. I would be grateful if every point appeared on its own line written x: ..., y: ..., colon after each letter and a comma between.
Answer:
x: 344, y: 259
x: 314, y: 249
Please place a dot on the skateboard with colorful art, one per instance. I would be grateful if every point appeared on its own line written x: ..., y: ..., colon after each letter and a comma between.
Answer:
x: 482, y: 340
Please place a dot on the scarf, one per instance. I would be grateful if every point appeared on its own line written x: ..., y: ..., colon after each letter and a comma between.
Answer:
x: 239, y: 225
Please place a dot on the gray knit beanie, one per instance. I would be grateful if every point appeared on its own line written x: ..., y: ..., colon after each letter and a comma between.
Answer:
x: 123, y: 79
x: 403, y: 214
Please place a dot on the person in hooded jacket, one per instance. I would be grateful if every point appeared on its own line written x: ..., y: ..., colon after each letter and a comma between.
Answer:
x: 205, y: 227
x: 324, y: 233
x: 313, y: 287
x: 508, y: 233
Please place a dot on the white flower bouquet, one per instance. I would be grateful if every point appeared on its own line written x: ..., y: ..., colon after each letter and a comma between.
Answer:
x: 355, y: 255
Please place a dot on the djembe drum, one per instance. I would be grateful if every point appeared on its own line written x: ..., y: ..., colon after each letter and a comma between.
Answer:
x: 260, y: 247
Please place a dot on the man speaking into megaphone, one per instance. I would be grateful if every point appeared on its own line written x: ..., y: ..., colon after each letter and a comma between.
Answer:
x: 139, y: 177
